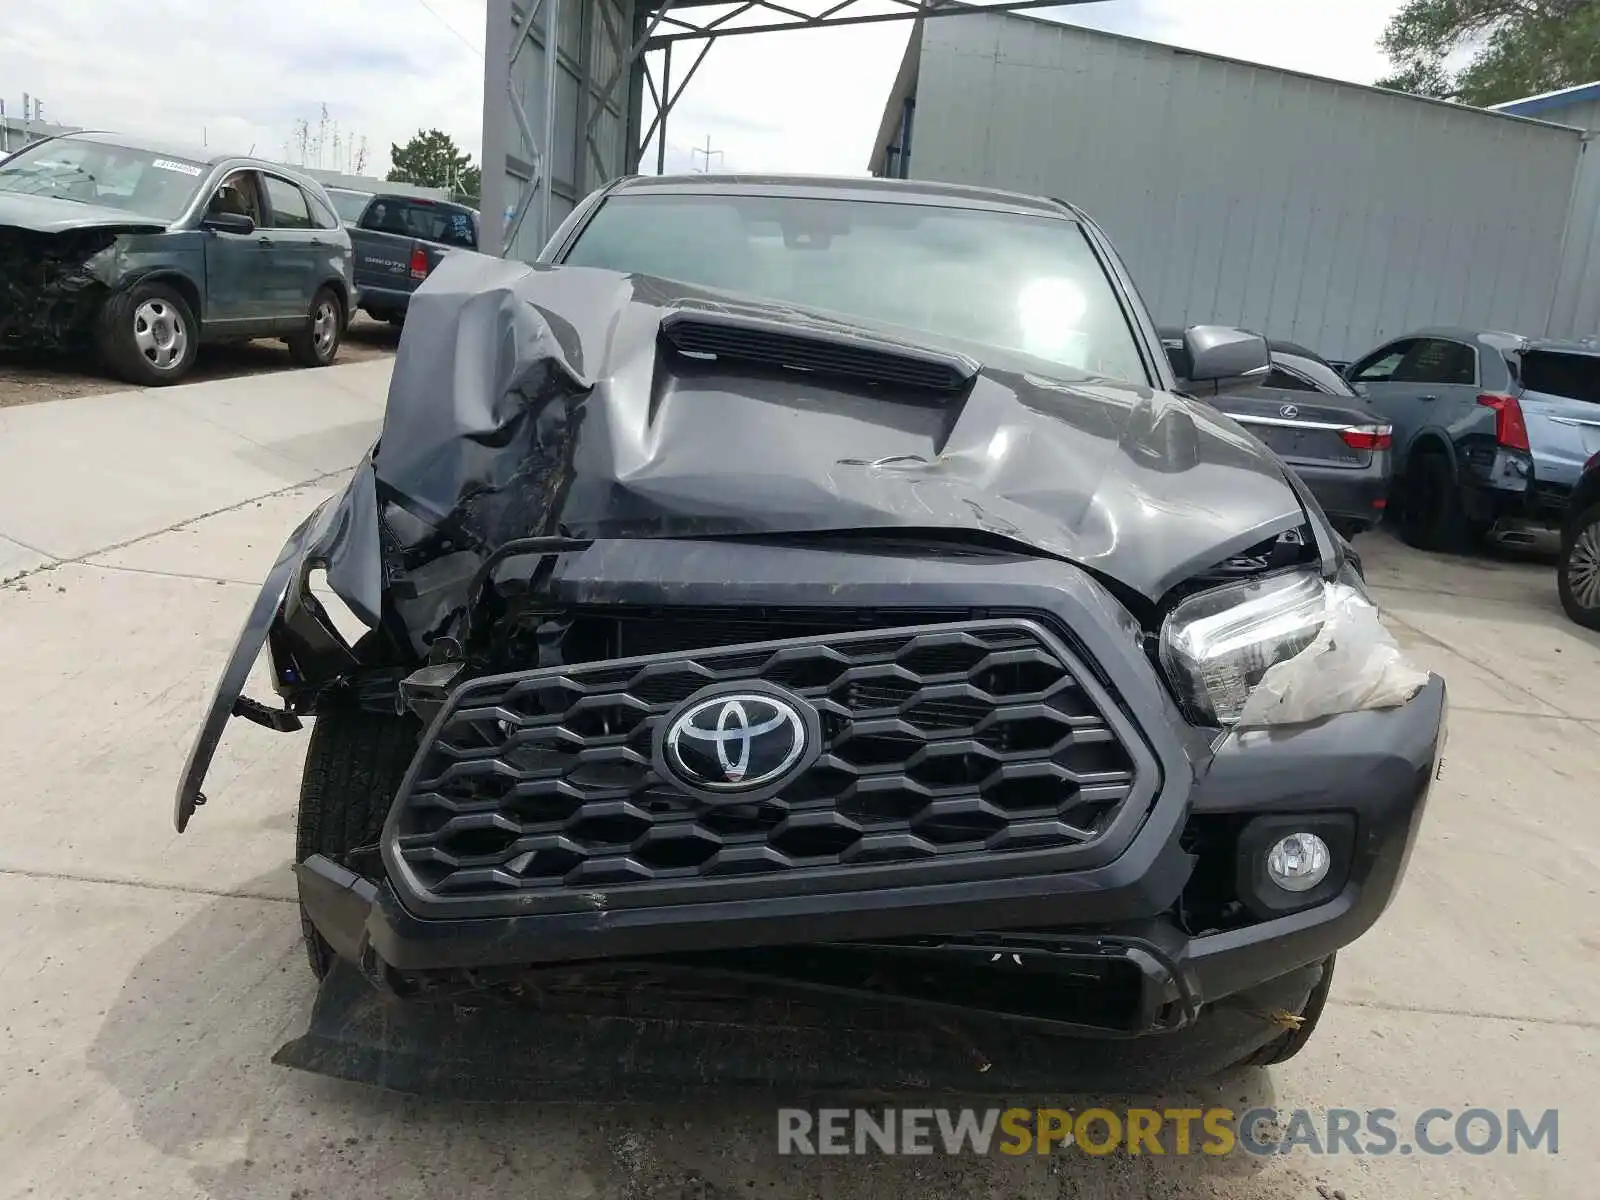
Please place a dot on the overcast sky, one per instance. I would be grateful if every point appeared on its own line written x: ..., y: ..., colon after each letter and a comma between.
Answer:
x: 807, y: 101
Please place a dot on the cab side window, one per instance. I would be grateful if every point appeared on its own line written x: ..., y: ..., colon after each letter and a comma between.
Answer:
x: 289, y: 209
x: 322, y: 215
x: 238, y: 195
x: 1381, y: 366
x: 1435, y: 360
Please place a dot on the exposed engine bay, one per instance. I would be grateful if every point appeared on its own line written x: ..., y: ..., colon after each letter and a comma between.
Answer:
x: 53, y: 284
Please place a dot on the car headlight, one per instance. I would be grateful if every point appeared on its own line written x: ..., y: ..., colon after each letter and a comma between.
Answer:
x: 1216, y: 646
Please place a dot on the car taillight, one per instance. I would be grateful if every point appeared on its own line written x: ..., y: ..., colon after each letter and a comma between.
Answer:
x: 419, y: 263
x: 1368, y: 437
x: 1510, y: 430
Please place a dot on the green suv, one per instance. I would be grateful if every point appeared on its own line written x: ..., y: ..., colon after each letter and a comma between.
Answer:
x: 143, y: 252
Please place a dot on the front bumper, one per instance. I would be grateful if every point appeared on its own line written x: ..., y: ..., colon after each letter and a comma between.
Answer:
x: 1376, y: 767
x: 1120, y: 909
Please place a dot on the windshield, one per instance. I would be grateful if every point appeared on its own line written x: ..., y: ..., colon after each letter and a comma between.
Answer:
x: 348, y: 204
x: 1025, y: 283
x: 140, y: 182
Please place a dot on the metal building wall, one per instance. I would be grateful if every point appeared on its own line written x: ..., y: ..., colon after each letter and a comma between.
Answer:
x: 1327, y: 213
x: 1576, y: 312
x: 592, y: 37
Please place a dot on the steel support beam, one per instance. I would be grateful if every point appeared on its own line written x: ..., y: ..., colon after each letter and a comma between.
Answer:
x: 529, y: 131
x: 722, y: 18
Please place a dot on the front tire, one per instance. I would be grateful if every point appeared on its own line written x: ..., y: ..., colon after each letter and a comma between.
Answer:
x: 317, y: 343
x: 1578, y: 573
x: 149, y: 335
x: 355, y: 763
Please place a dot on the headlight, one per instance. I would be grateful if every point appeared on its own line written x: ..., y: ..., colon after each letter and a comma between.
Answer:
x: 1217, y: 645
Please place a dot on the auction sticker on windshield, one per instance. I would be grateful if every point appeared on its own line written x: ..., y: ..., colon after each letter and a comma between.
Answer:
x: 167, y: 164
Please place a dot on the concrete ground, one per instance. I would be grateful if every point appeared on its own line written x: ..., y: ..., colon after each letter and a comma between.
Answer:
x: 146, y: 978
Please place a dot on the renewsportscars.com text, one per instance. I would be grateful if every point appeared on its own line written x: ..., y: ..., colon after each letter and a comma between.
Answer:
x: 1177, y: 1131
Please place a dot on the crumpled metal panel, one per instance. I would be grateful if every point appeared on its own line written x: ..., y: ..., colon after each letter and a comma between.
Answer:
x: 530, y: 400
x: 50, y: 284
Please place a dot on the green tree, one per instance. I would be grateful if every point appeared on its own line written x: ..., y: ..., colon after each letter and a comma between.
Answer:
x: 1484, y: 52
x: 431, y: 159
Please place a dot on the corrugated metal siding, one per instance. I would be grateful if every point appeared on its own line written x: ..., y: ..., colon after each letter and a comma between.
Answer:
x: 1332, y: 215
x: 1577, y: 307
x: 587, y: 63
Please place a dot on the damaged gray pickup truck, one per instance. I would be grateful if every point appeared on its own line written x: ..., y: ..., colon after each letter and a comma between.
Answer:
x: 809, y: 645
x: 141, y: 252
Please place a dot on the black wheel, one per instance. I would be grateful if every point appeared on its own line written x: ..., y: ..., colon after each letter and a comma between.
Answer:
x: 148, y: 335
x: 1431, y: 515
x: 1578, y: 573
x: 354, y: 766
x: 317, y: 343
x: 1287, y: 1045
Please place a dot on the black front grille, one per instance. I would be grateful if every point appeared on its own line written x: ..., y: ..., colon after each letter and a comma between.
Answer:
x: 938, y: 741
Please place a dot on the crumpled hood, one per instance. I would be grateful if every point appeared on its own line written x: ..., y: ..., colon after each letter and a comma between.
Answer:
x: 539, y: 400
x: 52, y: 214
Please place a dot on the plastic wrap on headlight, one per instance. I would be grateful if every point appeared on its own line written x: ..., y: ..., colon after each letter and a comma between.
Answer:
x: 1216, y: 646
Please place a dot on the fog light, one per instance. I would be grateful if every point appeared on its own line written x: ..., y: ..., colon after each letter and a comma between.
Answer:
x: 1298, y: 862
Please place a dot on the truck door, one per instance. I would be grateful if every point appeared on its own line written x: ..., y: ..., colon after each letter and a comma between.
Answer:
x: 1561, y: 408
x: 236, y: 278
x: 291, y: 257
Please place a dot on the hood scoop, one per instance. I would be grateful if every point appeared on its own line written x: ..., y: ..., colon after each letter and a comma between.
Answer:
x: 836, y: 352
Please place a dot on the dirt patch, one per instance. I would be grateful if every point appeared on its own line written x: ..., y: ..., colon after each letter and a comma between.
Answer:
x: 26, y: 378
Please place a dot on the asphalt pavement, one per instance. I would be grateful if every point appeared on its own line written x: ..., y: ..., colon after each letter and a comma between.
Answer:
x: 146, y: 977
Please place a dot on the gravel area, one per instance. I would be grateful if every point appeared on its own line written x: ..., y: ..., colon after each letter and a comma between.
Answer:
x: 30, y: 378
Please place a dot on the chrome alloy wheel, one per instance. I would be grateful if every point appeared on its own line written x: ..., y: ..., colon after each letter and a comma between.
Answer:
x: 159, y: 334
x: 1583, y: 567
x: 324, y: 327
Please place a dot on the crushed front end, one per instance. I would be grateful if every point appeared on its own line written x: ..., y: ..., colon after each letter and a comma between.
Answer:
x: 874, y: 758
x: 51, y: 286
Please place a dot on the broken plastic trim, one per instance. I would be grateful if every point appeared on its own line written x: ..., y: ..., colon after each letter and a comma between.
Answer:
x: 51, y: 285
x: 901, y: 973
x: 1352, y: 664
x: 544, y: 547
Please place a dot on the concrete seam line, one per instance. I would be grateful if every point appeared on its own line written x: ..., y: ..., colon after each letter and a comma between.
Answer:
x: 1389, y: 614
x: 145, y: 885
x: 83, y: 559
x: 189, y: 575
x: 1423, y: 1010
x: 1524, y: 716
x: 31, y: 549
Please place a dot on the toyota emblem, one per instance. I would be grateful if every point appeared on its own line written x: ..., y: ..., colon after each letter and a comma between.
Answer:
x: 1289, y: 412
x: 738, y: 741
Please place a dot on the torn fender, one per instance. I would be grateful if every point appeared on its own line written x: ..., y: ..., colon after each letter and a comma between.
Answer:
x: 340, y: 536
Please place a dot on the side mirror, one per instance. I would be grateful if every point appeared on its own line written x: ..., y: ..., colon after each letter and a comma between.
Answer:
x: 225, y: 222
x: 1218, y: 354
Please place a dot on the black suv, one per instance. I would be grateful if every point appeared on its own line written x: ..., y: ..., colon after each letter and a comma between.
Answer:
x: 814, y: 587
